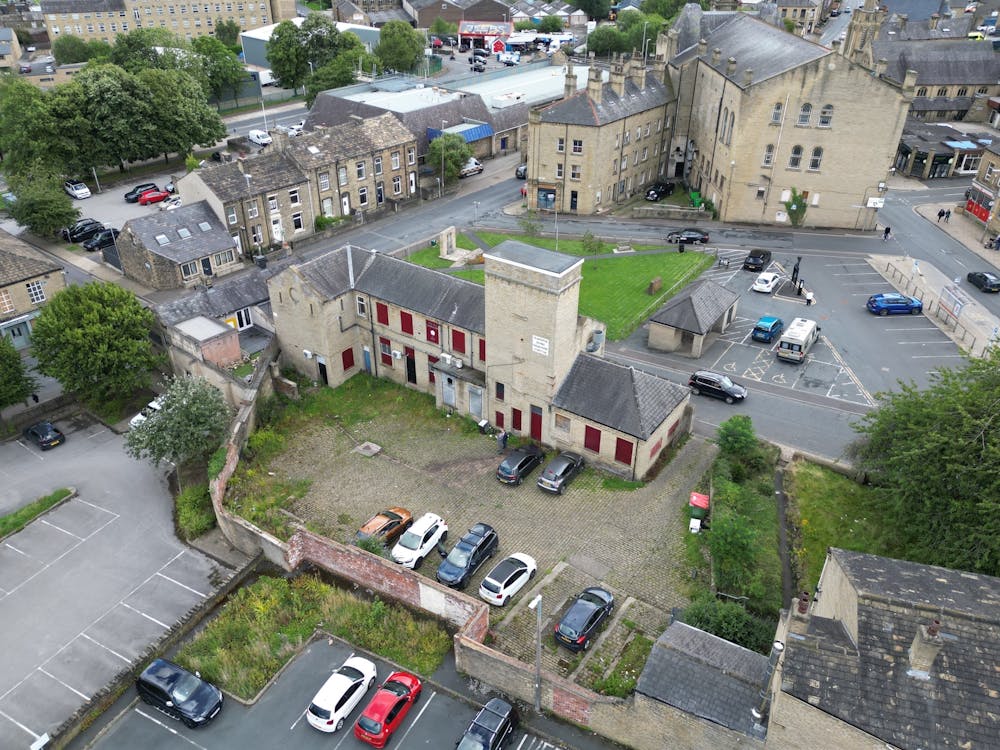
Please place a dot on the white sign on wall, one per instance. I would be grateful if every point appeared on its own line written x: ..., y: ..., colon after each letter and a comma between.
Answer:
x: 540, y: 345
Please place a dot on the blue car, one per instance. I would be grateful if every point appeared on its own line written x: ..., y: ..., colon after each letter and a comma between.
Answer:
x: 767, y: 329
x: 894, y: 303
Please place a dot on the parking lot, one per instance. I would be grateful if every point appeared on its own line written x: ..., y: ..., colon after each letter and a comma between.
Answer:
x: 437, y: 720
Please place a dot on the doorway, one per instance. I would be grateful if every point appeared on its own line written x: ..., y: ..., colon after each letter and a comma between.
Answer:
x: 321, y: 364
x: 411, y: 366
x: 536, y: 423
x: 206, y: 266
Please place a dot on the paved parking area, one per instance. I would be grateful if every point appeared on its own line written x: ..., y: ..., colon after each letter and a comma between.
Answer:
x: 277, y: 720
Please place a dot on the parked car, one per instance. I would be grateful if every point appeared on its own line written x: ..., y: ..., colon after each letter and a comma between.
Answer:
x: 766, y: 282
x: 984, y: 280
x: 104, y: 238
x: 24, y: 68
x: 260, y: 137
x: 169, y: 187
x: 757, y: 260
x: 171, y: 203
x: 480, y: 52
x: 436, y: 42
x: 341, y: 692
x: 417, y: 541
x: 471, y: 551
x: 520, y: 463
x: 560, y: 472
x: 521, y: 172
x: 153, y: 407
x: 76, y: 189
x: 716, y: 384
x: 688, y: 236
x: 660, y: 190
x: 133, y: 195
x: 578, y: 626
x: 45, y: 435
x: 153, y: 196
x: 478, y: 65
x: 894, y: 303
x: 82, y: 230
x: 386, y: 526
x: 179, y: 693
x: 491, y: 728
x: 508, y: 576
x: 387, y: 708
x: 767, y: 329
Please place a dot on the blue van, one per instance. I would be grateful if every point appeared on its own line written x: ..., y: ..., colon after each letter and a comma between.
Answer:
x: 767, y: 329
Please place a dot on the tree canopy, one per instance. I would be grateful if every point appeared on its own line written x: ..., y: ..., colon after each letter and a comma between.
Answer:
x: 440, y: 27
x: 69, y: 49
x: 400, y: 46
x: 288, y: 56
x: 223, y: 70
x: 605, y: 40
x: 597, y: 9
x: 15, y: 383
x: 342, y: 69
x: 94, y: 339
x: 42, y: 205
x: 551, y: 24
x: 227, y: 32
x: 933, y: 456
x: 456, y: 153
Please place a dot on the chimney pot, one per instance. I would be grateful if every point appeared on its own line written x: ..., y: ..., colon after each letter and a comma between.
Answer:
x: 716, y: 56
x: 702, y: 47
x: 731, y: 67
x: 934, y: 628
x: 802, y: 605
x: 748, y: 76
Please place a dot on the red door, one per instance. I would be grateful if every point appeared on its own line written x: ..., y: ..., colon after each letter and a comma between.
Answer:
x: 536, y: 423
x: 623, y: 452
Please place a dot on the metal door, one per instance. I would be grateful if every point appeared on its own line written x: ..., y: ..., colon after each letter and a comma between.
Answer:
x: 448, y: 392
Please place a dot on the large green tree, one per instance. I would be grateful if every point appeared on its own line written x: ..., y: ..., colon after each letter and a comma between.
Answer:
x: 15, y: 382
x: 69, y: 49
x: 933, y: 456
x: 640, y: 29
x: 456, y: 153
x: 551, y: 25
x: 341, y: 70
x: 137, y: 49
x: 288, y: 56
x: 183, y: 118
x: 596, y: 9
x: 42, y: 205
x: 605, y: 40
x: 94, y: 339
x: 223, y: 71
x: 27, y: 128
x: 400, y: 46
x: 227, y: 32
x: 320, y: 39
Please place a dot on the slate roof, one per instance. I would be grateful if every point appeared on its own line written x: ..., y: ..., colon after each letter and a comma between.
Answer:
x: 271, y: 170
x: 696, y: 308
x: 230, y: 293
x: 755, y: 45
x: 348, y: 139
x: 693, y: 24
x: 430, y: 293
x: 81, y: 6
x: 940, y: 61
x: 20, y: 262
x: 629, y: 401
x: 956, y: 27
x: 581, y: 109
x: 920, y: 10
x: 191, y: 232
x: 535, y: 257
x: 702, y: 674
x: 389, y: 14
x: 867, y: 684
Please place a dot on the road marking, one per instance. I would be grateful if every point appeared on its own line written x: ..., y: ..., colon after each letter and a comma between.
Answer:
x: 937, y: 356
x: 60, y: 528
x: 97, y: 507
x: 924, y: 343
x: 143, y: 614
x: 183, y: 586
x: 170, y: 729
x: 109, y: 650
x: 29, y: 450
x: 68, y: 687
x: 414, y: 722
x: 11, y: 546
x: 16, y: 723
x: 298, y: 719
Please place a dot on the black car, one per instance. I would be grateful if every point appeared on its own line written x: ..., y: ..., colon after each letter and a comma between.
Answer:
x: 660, y: 190
x: 178, y: 693
x: 584, y: 616
x: 490, y: 729
x: 104, y: 238
x: 45, y: 435
x: 688, y: 236
x: 520, y: 463
x: 716, y: 384
x: 560, y: 472
x: 984, y: 280
x: 132, y: 196
x: 471, y: 551
x: 757, y: 260
x: 82, y: 230
x: 521, y: 172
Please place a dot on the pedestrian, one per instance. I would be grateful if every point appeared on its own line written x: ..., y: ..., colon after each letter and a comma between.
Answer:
x: 940, y: 215
x: 947, y: 216
x: 809, y: 298
x: 886, y: 234
x: 505, y: 436
x: 501, y: 441
x: 34, y: 397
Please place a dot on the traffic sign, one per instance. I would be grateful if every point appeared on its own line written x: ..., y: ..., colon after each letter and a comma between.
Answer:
x: 499, y: 45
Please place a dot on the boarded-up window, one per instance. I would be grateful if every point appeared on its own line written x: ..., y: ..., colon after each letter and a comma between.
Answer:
x: 406, y: 322
x: 382, y: 313
x: 592, y: 439
x: 347, y: 359
x: 623, y: 452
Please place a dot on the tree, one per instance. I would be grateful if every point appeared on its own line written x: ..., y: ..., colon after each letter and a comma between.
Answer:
x: 287, y: 55
x: 341, y: 71
x: 933, y: 456
x: 15, y: 383
x: 796, y: 207
x: 320, y: 38
x: 442, y: 28
x: 525, y: 25
x: 190, y: 424
x: 227, y: 32
x: 605, y: 40
x: 591, y: 245
x: 27, y: 128
x: 665, y: 8
x: 137, y: 49
x: 551, y: 25
x: 730, y: 621
x: 639, y: 29
x: 223, y: 70
x: 400, y: 46
x: 736, y: 437
x: 183, y: 117
x: 456, y: 153
x: 42, y: 205
x: 94, y: 339
x: 70, y: 49
x: 596, y: 9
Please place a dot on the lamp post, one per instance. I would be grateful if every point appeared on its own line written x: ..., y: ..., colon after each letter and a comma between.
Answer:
x: 643, y: 45
x: 443, y: 123
x: 536, y: 604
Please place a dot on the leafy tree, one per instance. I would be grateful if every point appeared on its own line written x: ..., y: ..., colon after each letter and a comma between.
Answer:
x: 42, y: 205
x: 183, y: 118
x: 94, y: 339
x: 456, y: 153
x: 551, y: 24
x: 525, y: 25
x: 530, y: 225
x: 736, y: 436
x: 605, y: 40
x: 400, y: 46
x: 596, y: 9
x: 190, y: 424
x: 223, y: 70
x: 933, y: 456
x: 227, y: 32
x: 27, y: 126
x: 640, y: 29
x: 15, y: 383
x: 287, y: 55
x: 136, y: 50
x: 70, y: 49
x: 341, y: 71
x: 320, y: 38
x: 666, y: 8
x: 730, y: 621
x: 796, y: 207
x: 591, y: 245
x: 442, y: 28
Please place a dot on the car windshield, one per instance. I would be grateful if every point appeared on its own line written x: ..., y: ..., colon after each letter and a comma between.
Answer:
x: 491, y: 586
x: 397, y: 688
x: 350, y: 673
x: 410, y: 540
x: 184, y: 688
x: 369, y: 725
x: 471, y: 742
x: 763, y: 327
x: 318, y: 712
x: 724, y: 382
x: 458, y: 557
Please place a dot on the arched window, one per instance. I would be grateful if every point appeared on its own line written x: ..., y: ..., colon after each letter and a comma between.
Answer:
x: 795, y: 160
x: 725, y: 121
x: 776, y: 113
x: 768, y: 155
x: 817, y: 158
x: 805, y: 114
x: 732, y: 124
x: 962, y: 92
x: 922, y: 91
x: 826, y: 116
x: 982, y: 90
x: 943, y: 91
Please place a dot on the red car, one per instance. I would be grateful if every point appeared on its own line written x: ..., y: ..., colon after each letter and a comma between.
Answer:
x: 387, y: 709
x: 153, y: 196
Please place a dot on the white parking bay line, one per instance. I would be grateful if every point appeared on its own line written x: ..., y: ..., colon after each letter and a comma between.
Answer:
x: 170, y: 729
x: 143, y: 614
x: 109, y: 650
x: 414, y: 722
x: 18, y: 724
x: 60, y: 528
x: 65, y: 685
x: 183, y: 586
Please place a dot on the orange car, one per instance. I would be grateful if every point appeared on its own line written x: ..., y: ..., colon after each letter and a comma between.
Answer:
x: 387, y: 526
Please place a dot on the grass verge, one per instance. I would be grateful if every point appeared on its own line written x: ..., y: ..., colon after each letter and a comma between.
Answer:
x: 264, y: 625
x: 21, y: 517
x: 564, y: 245
x: 194, y: 512
x: 428, y: 257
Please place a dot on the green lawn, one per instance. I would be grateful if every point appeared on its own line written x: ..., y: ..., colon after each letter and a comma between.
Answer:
x: 465, y: 243
x: 23, y: 516
x: 829, y: 510
x: 429, y: 257
x: 565, y: 245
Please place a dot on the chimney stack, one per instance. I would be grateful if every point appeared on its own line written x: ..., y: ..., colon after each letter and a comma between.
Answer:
x: 702, y: 47
x: 932, y: 22
x: 716, y: 56
x: 637, y: 72
x: 903, y: 18
x: 802, y: 606
x: 910, y: 81
x: 927, y: 643
x: 618, y: 76
x: 570, y: 86
x: 880, y: 67
x: 730, y: 67
x: 747, y: 77
x: 594, y: 84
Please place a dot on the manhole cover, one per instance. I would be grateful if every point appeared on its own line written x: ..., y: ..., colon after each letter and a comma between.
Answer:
x: 368, y: 449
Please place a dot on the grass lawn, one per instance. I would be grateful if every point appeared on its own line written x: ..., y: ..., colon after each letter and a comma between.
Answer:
x: 23, y: 516
x: 829, y: 510
x: 472, y: 274
x: 566, y: 246
x: 429, y: 257
x: 465, y: 243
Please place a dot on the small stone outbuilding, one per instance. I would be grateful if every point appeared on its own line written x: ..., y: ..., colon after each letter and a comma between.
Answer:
x: 689, y: 322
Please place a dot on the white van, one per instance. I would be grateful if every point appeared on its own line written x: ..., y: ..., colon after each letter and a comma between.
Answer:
x: 797, y: 339
x: 472, y: 166
x: 260, y: 137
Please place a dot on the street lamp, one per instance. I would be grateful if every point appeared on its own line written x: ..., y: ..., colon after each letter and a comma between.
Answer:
x: 644, y: 41
x: 443, y: 123
x: 645, y: 44
x: 536, y: 604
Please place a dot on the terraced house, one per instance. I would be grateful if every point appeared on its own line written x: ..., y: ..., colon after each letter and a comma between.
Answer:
x: 27, y: 281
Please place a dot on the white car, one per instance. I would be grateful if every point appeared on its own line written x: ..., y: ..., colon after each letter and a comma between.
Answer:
x: 260, y: 137
x: 76, y: 189
x: 766, y: 282
x: 507, y: 578
x: 148, y: 410
x: 418, y: 540
x: 291, y: 130
x: 170, y: 203
x: 340, y: 694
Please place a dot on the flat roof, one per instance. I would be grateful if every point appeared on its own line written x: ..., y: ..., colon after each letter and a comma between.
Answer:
x: 535, y: 83
x: 405, y: 101
x: 264, y: 32
x: 201, y: 328
x: 523, y: 254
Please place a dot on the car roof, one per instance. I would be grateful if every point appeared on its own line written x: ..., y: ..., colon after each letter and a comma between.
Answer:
x: 425, y: 522
x: 381, y: 702
x: 990, y: 275
x: 337, y: 683
x: 768, y: 320
x: 162, y: 673
x: 503, y: 569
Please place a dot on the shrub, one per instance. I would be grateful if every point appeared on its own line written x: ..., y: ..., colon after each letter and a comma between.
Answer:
x: 216, y: 462
x: 264, y: 443
x: 374, y: 545
x: 195, y: 515
x: 730, y: 621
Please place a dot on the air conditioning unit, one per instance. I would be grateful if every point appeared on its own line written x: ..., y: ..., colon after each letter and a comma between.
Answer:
x: 307, y: 354
x: 396, y: 354
x: 446, y: 357
x: 458, y: 363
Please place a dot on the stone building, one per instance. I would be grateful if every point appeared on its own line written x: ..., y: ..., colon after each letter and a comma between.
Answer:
x: 28, y: 280
x: 981, y: 198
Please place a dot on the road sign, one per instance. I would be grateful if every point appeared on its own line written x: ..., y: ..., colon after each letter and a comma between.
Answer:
x: 499, y: 45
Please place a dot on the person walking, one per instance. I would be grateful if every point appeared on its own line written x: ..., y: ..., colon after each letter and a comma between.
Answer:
x: 886, y: 234
x: 501, y: 441
x: 947, y: 216
x: 940, y: 215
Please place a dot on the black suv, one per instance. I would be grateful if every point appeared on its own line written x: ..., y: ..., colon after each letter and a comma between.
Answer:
x: 104, y: 238
x: 492, y: 726
x: 467, y: 555
x: 132, y: 196
x: 757, y: 260
x: 660, y: 190
x: 178, y: 693
x: 716, y: 384
x: 84, y: 229
x: 984, y: 280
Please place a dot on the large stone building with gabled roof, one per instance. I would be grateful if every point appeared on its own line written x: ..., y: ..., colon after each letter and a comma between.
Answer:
x: 28, y: 280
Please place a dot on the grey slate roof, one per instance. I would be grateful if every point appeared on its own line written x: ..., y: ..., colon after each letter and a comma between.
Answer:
x: 693, y: 24
x: 704, y: 675
x: 696, y: 308
x: 956, y: 27
x: 205, y: 235
x: 21, y: 262
x: 535, y: 257
x: 581, y: 109
x: 348, y: 139
x: 940, y: 61
x: 619, y: 397
x: 867, y: 684
x: 81, y: 6
x: 755, y: 45
x: 430, y: 293
x: 920, y: 10
x: 227, y: 295
x: 271, y: 170
x: 389, y: 14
